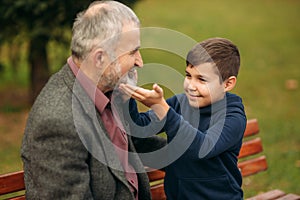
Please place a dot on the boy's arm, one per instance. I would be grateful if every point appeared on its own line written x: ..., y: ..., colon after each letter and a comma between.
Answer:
x: 141, y: 124
x: 223, y: 135
x: 220, y: 137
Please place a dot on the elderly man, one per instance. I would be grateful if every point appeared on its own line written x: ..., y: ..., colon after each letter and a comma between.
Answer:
x: 75, y: 146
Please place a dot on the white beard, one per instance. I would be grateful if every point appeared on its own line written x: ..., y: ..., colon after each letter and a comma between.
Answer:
x: 113, y: 78
x: 129, y: 78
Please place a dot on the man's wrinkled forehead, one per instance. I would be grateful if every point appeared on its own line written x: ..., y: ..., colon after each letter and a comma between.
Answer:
x: 129, y: 39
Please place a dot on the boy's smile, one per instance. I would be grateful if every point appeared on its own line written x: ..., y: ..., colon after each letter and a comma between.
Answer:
x: 202, y: 85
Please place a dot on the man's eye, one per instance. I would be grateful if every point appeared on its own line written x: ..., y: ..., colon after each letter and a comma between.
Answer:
x: 188, y: 75
x: 133, y: 52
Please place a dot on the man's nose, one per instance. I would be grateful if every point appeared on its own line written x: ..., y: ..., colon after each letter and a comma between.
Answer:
x: 138, y: 60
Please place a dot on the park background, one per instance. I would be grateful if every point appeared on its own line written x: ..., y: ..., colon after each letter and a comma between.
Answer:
x: 268, y: 36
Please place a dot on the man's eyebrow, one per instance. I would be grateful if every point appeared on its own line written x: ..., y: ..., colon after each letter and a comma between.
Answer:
x: 135, y: 50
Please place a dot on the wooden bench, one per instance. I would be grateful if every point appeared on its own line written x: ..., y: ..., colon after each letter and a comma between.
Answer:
x: 12, y: 183
x: 249, y: 164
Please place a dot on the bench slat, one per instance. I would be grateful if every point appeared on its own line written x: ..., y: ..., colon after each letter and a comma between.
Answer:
x: 252, y: 127
x: 12, y: 182
x: 253, y: 166
x: 18, y: 198
x: 251, y: 147
x: 289, y: 197
x: 273, y: 194
x: 155, y: 175
x: 158, y: 192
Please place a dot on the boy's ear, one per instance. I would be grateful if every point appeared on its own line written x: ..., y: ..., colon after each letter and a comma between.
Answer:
x: 230, y: 83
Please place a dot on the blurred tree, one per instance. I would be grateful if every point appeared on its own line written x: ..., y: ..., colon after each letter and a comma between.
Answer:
x: 40, y: 21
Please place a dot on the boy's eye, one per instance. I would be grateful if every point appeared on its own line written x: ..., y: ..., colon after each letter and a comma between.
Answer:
x: 202, y: 79
x: 188, y: 75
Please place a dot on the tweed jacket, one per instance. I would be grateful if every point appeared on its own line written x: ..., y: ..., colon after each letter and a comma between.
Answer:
x: 66, y: 151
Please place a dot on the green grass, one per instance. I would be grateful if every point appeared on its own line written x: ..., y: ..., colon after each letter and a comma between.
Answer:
x: 268, y: 36
x: 11, y: 130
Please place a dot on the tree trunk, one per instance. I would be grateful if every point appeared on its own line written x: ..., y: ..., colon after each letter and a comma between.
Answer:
x: 39, y: 69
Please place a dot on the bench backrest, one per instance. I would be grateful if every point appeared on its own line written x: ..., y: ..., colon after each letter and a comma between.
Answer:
x: 252, y: 145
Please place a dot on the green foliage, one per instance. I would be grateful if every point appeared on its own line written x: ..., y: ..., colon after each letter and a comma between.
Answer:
x: 35, y: 17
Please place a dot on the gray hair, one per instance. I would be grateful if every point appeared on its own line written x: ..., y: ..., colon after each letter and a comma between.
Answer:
x: 100, y: 26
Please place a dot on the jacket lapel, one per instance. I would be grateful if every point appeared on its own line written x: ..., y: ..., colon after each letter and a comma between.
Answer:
x: 90, y: 127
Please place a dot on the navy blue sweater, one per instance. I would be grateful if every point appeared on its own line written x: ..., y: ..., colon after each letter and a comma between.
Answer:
x: 203, y: 145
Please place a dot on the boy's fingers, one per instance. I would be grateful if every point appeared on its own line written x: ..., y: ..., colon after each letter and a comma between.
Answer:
x: 157, y: 88
x: 125, y: 90
x: 131, y: 87
x: 128, y: 88
x: 133, y: 91
x: 137, y: 90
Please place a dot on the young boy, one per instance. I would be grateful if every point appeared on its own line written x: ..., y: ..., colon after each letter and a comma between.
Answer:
x: 204, y: 126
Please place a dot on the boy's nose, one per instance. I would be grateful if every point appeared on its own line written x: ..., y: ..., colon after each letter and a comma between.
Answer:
x: 191, y: 86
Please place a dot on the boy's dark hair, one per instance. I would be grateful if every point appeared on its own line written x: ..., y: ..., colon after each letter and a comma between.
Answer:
x: 220, y: 51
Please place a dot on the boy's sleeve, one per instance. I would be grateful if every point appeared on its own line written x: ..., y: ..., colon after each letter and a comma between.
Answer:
x: 142, y: 124
x: 224, y: 134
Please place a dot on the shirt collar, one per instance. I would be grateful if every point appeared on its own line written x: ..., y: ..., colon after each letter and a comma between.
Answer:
x: 98, y: 97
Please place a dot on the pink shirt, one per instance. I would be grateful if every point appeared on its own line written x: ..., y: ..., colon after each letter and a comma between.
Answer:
x: 112, y: 124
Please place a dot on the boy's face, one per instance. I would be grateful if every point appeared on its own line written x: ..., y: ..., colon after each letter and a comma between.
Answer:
x: 202, y: 85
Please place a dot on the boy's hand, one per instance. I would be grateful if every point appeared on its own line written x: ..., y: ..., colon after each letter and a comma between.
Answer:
x: 129, y: 79
x: 145, y: 96
x: 153, y: 99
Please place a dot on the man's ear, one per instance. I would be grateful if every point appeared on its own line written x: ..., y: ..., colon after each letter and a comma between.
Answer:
x: 230, y: 83
x: 98, y: 58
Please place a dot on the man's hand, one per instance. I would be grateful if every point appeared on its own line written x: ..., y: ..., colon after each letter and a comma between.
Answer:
x: 153, y: 99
